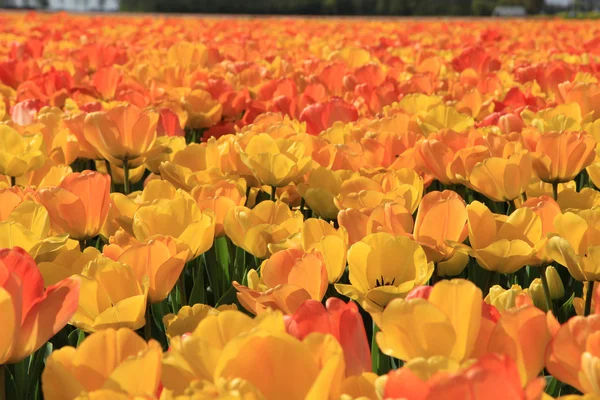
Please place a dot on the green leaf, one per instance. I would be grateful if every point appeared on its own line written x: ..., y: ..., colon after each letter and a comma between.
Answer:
x: 36, y: 366
x: 222, y: 254
x: 81, y: 337
x: 229, y: 297
x: 553, y: 386
x: 73, y: 337
x: 198, y: 294
x: 566, y: 311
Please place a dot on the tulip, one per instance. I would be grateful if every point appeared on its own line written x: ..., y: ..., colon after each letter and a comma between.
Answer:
x: 195, y: 164
x: 115, y: 362
x: 500, y: 243
x: 502, y: 179
x: 28, y: 227
x: 159, y: 260
x: 19, y: 154
x: 173, y: 144
x: 555, y: 284
x: 10, y: 198
x: 66, y: 263
x: 220, y: 197
x: 560, y: 156
x: 536, y: 292
x: 359, y: 387
x: 383, y: 267
x: 576, y: 244
x: 547, y: 209
x: 320, y: 116
x: 123, y: 135
x: 316, y: 372
x: 111, y: 297
x: 276, y: 162
x: 79, y: 206
x: 505, y: 299
x: 573, y: 351
x: 203, y: 111
x: 48, y: 175
x: 522, y: 334
x: 389, y: 217
x: 446, y: 324
x: 340, y: 319
x: 492, y: 377
x: 287, y: 278
x: 268, y: 222
x: 75, y: 124
x: 30, y: 314
x: 442, y: 216
x: 320, y: 188
x: 332, y: 244
x: 179, y: 218
x: 189, y: 317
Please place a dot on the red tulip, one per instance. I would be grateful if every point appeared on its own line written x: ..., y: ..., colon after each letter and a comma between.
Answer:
x: 321, y: 116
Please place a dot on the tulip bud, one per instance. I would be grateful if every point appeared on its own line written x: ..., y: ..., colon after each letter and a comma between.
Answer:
x: 536, y: 290
x: 504, y: 299
x: 557, y: 290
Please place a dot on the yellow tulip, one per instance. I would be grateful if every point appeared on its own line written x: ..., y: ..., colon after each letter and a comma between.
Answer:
x: 66, y: 263
x: 195, y: 357
x: 188, y: 318
x: 555, y: 284
x: 160, y: 260
x: 203, y: 111
x: 384, y: 267
x: 220, y: 197
x: 577, y: 243
x: 390, y: 217
x: 28, y: 227
x: 505, y: 299
x: 48, y: 175
x: 179, y: 218
x: 20, y: 154
x: 268, y: 222
x: 116, y: 361
x: 111, y: 297
x: 276, y: 162
x: 447, y: 324
x: 173, y: 144
x: 317, y: 234
x: 441, y: 117
x: 320, y: 189
x: 196, y: 163
x: 502, y: 243
x: 502, y: 179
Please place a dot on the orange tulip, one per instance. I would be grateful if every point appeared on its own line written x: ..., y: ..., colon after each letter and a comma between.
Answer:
x: 442, y: 216
x: 340, y: 319
x: 560, y: 156
x: 288, y: 278
x: 548, y: 210
x: 492, y: 377
x: 220, y: 197
x: 79, y: 206
x: 123, y: 134
x: 30, y: 314
x: 389, y: 217
x: 321, y: 116
x: 573, y: 353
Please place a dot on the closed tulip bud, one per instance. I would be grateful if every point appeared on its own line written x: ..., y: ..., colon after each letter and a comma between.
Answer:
x: 268, y: 222
x: 180, y: 218
x: 340, y: 319
x: 287, y: 278
x: 111, y: 297
x: 20, y: 154
x: 124, y: 133
x: 116, y: 362
x: 30, y: 314
x: 502, y: 179
x: 505, y: 299
x: 536, y: 291
x: 79, y: 206
x: 555, y: 284
x: 560, y: 156
x: 203, y: 111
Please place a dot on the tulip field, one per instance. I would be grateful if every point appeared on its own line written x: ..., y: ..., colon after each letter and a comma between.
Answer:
x: 202, y: 208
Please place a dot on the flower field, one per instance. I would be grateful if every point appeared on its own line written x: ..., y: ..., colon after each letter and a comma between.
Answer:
x: 260, y: 208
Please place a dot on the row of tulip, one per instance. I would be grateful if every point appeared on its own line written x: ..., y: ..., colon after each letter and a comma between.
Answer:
x: 296, y: 209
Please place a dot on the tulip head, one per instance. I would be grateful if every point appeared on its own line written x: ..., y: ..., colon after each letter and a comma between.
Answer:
x: 20, y: 154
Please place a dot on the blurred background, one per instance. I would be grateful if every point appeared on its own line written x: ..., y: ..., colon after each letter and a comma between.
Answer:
x: 321, y: 7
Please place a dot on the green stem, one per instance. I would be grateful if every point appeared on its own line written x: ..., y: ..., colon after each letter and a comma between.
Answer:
x: 181, y: 287
x: 148, y: 326
x: 555, y: 190
x: 125, y: 176
x: 588, y: 298
x: 374, y: 349
x: 273, y: 193
x: 302, y: 205
x: 546, y: 289
x: 492, y: 279
x: 2, y: 382
x: 109, y: 173
x: 82, y: 245
x: 511, y: 207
